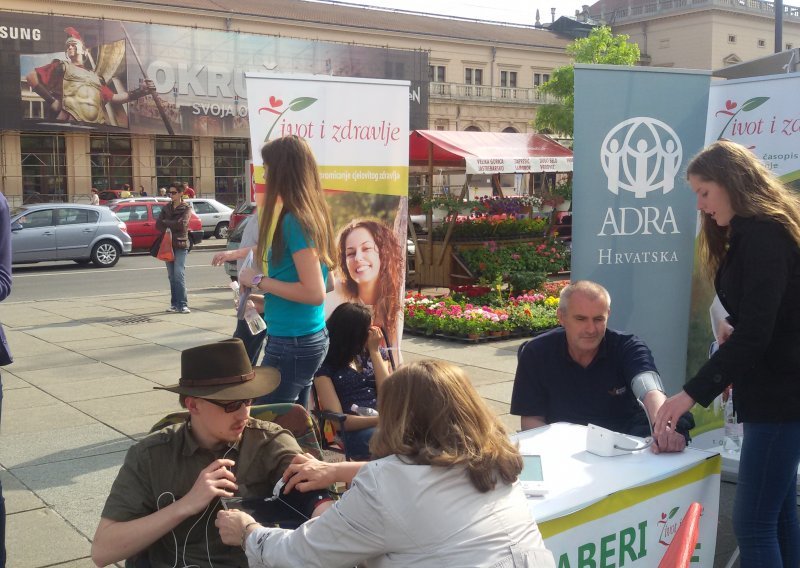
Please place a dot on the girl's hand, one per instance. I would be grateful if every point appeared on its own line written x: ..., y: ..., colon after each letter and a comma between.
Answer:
x: 231, y: 526
x: 374, y: 338
x: 671, y: 411
x: 724, y: 331
x: 246, y: 277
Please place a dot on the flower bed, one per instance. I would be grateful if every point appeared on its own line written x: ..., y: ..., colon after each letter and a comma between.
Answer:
x: 478, y: 312
x: 493, y: 227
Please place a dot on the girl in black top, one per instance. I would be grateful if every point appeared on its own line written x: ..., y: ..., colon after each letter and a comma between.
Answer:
x: 750, y: 245
x: 352, y: 373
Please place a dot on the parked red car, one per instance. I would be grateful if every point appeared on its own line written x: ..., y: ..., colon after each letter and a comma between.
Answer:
x: 239, y: 213
x: 140, y: 217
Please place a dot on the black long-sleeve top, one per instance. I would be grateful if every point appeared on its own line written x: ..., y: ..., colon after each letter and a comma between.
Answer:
x: 758, y: 283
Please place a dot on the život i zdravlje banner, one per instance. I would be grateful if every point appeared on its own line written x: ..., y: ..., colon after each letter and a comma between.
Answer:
x: 358, y: 130
x: 634, y: 214
x: 762, y: 114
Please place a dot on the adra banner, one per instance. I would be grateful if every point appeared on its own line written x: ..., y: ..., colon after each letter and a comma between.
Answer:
x: 634, y: 214
x: 358, y: 130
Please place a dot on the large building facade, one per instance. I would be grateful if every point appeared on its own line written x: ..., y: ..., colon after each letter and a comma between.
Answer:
x: 465, y: 75
x: 699, y: 34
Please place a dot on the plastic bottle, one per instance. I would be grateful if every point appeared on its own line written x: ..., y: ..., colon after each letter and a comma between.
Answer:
x: 363, y: 410
x: 733, y: 430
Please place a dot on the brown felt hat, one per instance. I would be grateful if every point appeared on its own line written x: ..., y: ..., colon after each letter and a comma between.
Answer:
x: 222, y: 371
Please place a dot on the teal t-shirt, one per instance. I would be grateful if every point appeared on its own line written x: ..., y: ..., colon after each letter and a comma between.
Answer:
x: 286, y: 318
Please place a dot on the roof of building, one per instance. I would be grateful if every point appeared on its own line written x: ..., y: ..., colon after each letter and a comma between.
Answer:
x: 363, y: 18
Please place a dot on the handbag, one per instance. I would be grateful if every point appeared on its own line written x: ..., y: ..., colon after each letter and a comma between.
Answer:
x: 165, y: 251
x: 156, y: 245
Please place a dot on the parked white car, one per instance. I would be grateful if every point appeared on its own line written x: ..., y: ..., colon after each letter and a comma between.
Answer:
x: 214, y: 215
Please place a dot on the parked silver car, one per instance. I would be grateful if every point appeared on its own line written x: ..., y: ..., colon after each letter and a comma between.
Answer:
x: 215, y: 216
x: 67, y: 231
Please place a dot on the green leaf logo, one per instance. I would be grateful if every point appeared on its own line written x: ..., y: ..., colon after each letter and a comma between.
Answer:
x: 673, y: 511
x: 754, y: 103
x: 302, y: 103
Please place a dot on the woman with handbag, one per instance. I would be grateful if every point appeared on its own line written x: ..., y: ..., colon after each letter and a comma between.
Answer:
x: 175, y: 217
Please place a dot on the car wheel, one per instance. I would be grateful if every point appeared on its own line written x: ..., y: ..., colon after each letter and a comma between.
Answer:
x: 221, y: 231
x: 191, y: 245
x: 105, y: 254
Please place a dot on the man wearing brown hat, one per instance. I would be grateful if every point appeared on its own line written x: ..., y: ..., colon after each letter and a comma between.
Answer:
x: 169, y: 489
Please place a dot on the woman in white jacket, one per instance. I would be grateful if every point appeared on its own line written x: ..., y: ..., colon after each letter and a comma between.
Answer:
x: 443, y: 493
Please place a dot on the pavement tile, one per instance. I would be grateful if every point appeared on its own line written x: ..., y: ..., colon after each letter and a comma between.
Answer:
x: 18, y: 497
x: 25, y: 398
x: 38, y: 420
x: 163, y: 378
x: 92, y: 370
x: 132, y: 414
x: 480, y: 376
x: 24, y: 345
x: 64, y: 443
x: 137, y: 358
x: 106, y: 342
x: 484, y: 357
x: 500, y: 392
x: 193, y: 339
x: 75, y: 489
x: 510, y: 422
x: 11, y: 381
x: 42, y: 538
x: 88, y: 389
x: 52, y: 360
x: 69, y: 331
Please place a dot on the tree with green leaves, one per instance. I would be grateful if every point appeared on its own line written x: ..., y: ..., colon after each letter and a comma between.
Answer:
x: 602, y: 47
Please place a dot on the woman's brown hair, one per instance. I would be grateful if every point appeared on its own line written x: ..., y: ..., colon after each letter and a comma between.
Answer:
x: 387, y: 308
x: 292, y: 175
x: 753, y: 192
x: 432, y: 415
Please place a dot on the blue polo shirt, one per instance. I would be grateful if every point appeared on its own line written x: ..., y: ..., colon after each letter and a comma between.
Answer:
x: 549, y: 383
x: 286, y: 318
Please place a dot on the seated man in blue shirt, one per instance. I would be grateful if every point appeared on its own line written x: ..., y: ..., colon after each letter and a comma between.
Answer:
x: 585, y: 373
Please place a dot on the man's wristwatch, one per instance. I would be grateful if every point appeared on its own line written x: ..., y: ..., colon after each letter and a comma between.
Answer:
x: 257, y: 280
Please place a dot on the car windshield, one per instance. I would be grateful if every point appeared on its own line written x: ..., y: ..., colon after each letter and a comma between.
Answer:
x: 17, y: 211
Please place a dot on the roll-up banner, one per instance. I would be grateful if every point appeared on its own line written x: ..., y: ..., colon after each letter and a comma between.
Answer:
x: 761, y: 114
x: 358, y: 130
x: 634, y: 213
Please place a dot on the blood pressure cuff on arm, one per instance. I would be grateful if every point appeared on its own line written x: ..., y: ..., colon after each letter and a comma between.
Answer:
x: 289, y: 511
x: 638, y: 426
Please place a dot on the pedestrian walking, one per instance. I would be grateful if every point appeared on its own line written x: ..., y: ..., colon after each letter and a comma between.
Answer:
x: 175, y: 217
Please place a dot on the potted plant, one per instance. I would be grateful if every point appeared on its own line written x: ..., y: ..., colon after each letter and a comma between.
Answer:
x: 415, y: 200
x: 563, y: 190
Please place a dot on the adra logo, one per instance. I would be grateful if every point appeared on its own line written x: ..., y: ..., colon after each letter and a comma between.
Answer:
x: 641, y: 155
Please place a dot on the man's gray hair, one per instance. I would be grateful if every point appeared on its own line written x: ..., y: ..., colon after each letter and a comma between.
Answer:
x: 591, y: 290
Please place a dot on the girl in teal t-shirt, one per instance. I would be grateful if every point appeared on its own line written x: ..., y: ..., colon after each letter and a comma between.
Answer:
x: 298, y: 261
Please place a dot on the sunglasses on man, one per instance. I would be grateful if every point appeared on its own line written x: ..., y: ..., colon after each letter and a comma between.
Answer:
x: 231, y: 405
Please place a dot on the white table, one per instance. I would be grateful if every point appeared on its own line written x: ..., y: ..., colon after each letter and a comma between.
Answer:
x: 622, y: 510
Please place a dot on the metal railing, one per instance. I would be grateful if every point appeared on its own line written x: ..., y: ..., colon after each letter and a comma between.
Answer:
x: 638, y: 9
x: 464, y: 92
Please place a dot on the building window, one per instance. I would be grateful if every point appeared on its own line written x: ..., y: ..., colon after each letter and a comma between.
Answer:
x: 508, y: 79
x: 44, y: 167
x: 436, y: 73
x: 731, y: 38
x: 173, y: 160
x: 110, y: 161
x: 229, y: 162
x: 762, y: 43
x: 473, y: 76
x: 540, y: 79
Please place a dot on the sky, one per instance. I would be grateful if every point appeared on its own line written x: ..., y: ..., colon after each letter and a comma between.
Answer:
x: 514, y: 11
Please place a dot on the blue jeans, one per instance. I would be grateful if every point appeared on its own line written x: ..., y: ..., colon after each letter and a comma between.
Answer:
x: 765, y: 508
x: 297, y: 358
x: 252, y: 343
x: 357, y: 442
x: 176, y: 272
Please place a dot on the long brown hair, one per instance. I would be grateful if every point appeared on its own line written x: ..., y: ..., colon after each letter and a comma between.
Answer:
x: 432, y: 415
x: 387, y: 308
x: 753, y: 192
x: 292, y: 175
